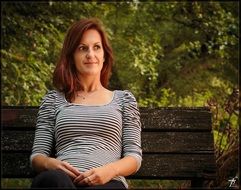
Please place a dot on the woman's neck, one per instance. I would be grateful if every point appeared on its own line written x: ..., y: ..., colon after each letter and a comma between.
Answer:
x: 90, y: 84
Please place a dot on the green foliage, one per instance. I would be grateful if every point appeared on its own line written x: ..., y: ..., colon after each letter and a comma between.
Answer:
x: 156, y: 184
x: 15, y: 183
x: 30, y: 46
x: 179, y: 47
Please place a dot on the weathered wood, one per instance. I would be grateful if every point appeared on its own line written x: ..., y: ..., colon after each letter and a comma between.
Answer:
x: 154, y: 166
x: 152, y: 142
x: 176, y: 118
x: 17, y: 140
x: 20, y: 116
x: 177, y: 143
x: 161, y: 118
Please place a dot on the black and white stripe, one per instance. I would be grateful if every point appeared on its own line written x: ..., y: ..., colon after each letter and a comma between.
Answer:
x: 89, y: 136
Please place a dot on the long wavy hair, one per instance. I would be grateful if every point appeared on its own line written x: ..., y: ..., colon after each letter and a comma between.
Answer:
x: 65, y: 77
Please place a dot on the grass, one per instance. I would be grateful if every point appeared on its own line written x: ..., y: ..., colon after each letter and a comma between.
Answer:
x: 133, y: 184
x: 15, y: 183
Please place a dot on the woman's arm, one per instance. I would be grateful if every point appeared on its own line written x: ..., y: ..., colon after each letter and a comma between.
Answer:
x: 125, y: 166
x: 101, y: 175
x: 44, y: 139
x: 42, y: 163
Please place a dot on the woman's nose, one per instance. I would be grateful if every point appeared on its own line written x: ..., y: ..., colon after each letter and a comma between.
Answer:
x: 90, y: 53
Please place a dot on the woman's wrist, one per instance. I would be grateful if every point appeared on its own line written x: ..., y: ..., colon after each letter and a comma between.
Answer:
x: 46, y: 163
x: 115, y: 169
x: 39, y: 163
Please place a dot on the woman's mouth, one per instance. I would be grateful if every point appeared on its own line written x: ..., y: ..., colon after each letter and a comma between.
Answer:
x: 90, y: 63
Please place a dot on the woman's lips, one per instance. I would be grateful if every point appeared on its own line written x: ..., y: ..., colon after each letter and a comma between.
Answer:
x: 89, y: 63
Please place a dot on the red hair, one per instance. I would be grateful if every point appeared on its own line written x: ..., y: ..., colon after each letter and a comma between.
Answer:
x: 65, y: 74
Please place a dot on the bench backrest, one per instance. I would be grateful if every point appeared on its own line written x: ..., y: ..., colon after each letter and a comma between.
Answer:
x: 177, y: 143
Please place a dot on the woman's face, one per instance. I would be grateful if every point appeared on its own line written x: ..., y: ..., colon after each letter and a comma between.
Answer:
x: 89, y: 55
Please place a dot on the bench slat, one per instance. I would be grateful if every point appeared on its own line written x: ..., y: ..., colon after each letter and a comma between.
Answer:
x: 154, y: 166
x: 151, y: 119
x: 176, y: 119
x: 155, y: 142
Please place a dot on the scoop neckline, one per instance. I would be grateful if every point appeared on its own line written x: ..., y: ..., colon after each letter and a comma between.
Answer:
x: 86, y: 105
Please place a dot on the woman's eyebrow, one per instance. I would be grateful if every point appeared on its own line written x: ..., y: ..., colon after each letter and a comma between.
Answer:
x: 82, y: 44
x: 87, y: 45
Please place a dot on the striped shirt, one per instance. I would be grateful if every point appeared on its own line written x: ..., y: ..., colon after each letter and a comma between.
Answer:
x: 89, y: 136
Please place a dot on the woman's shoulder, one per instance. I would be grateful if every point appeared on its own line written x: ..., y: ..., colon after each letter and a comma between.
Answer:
x: 53, y: 95
x: 126, y: 95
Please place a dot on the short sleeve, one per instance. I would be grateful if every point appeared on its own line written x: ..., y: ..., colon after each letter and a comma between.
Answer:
x: 131, y: 128
x: 44, y: 132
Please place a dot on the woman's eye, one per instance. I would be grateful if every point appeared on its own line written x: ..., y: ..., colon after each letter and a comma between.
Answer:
x: 97, y: 47
x: 82, y: 48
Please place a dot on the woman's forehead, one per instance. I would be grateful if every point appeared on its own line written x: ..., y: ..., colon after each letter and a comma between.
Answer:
x: 91, y: 36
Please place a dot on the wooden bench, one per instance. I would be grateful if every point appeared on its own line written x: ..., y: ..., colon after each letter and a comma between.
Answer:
x: 177, y: 143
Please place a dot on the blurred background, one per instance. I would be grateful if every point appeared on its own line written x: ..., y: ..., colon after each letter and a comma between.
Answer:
x: 166, y: 54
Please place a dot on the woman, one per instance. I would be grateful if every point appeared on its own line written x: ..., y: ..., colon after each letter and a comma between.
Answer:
x: 95, y: 132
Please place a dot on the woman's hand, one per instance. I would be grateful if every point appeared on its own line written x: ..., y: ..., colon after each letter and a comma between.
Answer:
x: 96, y: 176
x: 53, y: 164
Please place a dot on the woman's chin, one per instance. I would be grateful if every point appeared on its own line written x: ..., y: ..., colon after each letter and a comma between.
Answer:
x: 92, y: 72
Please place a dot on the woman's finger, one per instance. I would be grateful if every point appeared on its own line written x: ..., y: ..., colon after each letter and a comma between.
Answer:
x: 85, y: 177
x: 68, y: 172
x: 71, y: 168
x: 78, y: 178
x: 92, y: 180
